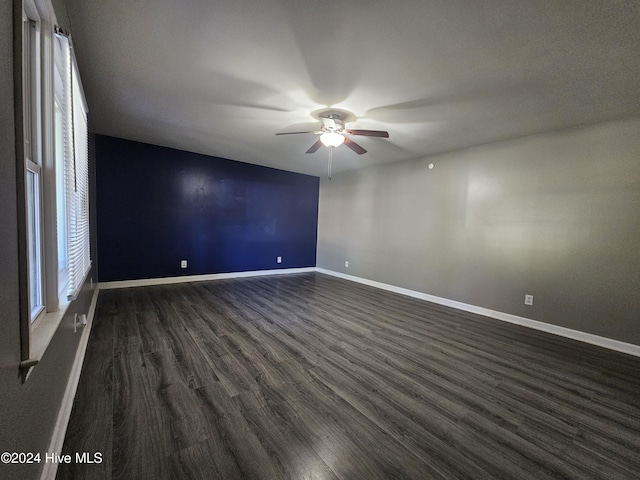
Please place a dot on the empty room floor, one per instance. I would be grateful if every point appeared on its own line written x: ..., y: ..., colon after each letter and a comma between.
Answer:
x: 308, y: 376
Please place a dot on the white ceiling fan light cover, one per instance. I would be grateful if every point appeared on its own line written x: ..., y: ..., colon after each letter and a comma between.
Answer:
x: 332, y: 139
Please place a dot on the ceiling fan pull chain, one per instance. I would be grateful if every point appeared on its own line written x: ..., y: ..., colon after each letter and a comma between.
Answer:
x: 330, y: 158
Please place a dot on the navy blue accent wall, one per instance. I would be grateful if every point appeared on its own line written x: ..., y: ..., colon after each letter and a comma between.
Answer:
x: 157, y: 206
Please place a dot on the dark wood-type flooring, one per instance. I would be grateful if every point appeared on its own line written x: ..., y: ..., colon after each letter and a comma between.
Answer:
x: 308, y: 376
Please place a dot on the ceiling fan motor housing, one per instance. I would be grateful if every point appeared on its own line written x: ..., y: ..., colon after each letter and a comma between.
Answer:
x: 332, y: 123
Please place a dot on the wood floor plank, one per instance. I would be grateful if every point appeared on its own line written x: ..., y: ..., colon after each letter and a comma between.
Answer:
x: 340, y: 435
x: 424, y: 430
x: 140, y: 450
x: 153, y: 335
x: 93, y: 400
x: 281, y: 434
x: 243, y: 449
x: 310, y: 376
x: 192, y: 361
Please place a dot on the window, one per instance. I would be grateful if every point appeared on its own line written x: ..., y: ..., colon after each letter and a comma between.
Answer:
x: 32, y: 153
x: 34, y: 232
x: 56, y: 256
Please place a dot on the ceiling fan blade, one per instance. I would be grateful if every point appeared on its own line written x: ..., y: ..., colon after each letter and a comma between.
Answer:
x: 369, y: 133
x: 315, y: 132
x: 354, y: 146
x: 314, y: 147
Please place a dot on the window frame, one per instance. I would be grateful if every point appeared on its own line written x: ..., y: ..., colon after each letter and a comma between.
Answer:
x: 38, y: 162
x: 31, y: 95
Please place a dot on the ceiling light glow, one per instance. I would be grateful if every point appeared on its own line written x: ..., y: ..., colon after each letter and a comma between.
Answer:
x: 332, y: 139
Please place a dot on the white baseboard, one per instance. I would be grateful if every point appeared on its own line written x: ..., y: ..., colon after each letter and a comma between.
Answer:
x: 609, y: 343
x: 200, y: 278
x: 60, y: 429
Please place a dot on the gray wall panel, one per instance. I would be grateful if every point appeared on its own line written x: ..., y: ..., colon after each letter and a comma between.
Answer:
x: 9, y: 332
x: 556, y: 216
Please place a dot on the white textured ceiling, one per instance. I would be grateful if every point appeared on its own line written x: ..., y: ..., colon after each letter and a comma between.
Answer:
x: 222, y: 77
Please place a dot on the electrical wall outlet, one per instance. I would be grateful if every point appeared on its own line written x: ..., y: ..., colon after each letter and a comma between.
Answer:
x: 183, y: 264
x: 528, y: 299
x: 279, y: 260
x: 346, y: 263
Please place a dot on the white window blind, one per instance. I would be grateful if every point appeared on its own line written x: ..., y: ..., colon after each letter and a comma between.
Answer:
x: 76, y: 166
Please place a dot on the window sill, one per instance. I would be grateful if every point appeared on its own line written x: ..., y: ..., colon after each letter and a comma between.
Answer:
x: 41, y: 337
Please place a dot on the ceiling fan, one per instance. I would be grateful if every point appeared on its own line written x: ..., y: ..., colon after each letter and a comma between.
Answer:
x: 333, y: 133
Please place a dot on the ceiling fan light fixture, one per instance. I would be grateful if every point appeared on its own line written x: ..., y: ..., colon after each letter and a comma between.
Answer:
x: 332, y: 139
